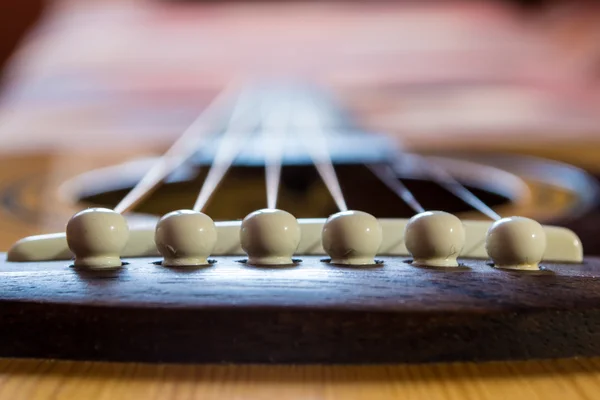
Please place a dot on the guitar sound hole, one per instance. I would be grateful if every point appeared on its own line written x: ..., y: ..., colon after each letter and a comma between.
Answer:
x: 301, y: 192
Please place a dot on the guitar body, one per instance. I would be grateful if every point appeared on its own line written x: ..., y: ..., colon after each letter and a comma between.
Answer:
x: 312, y: 311
x: 306, y: 312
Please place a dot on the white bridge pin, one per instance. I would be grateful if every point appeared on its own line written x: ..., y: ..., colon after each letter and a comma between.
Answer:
x: 434, y: 238
x: 352, y: 238
x: 97, y: 236
x: 185, y: 238
x: 270, y: 237
x: 516, y: 243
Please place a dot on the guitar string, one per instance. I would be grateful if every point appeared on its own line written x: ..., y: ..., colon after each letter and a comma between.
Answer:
x: 275, y: 130
x: 309, y: 123
x: 386, y: 174
x: 452, y: 185
x: 192, y: 137
x: 232, y: 140
x: 178, y: 153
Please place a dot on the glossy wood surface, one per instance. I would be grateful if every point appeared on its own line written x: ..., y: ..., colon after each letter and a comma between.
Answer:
x: 309, y: 312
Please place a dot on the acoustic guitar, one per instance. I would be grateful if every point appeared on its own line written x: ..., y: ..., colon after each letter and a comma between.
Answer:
x: 351, y: 272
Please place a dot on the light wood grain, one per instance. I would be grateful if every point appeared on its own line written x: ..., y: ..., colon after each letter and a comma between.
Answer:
x: 35, y: 379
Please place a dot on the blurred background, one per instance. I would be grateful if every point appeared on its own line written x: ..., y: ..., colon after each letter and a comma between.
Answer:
x: 86, y: 84
x: 434, y: 73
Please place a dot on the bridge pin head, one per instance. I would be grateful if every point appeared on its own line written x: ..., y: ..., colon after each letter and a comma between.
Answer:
x: 434, y: 238
x: 270, y: 237
x: 97, y: 236
x: 516, y: 243
x: 352, y: 238
x: 185, y: 238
